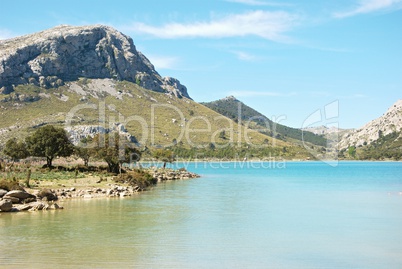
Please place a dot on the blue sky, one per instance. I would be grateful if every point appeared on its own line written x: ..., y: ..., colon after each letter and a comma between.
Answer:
x: 287, y: 59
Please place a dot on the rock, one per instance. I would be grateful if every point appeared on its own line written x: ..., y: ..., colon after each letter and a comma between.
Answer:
x: 386, y: 124
x: 37, y: 206
x: 65, y: 53
x: 47, y: 195
x: 21, y: 195
x: 55, y: 207
x: 14, y: 200
x: 24, y: 207
x: 6, y: 205
x: 2, y: 193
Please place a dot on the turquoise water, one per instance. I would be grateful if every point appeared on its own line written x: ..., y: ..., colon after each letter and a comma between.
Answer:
x: 238, y: 215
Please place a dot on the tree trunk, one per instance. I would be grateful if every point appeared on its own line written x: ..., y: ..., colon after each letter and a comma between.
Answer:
x: 49, y: 162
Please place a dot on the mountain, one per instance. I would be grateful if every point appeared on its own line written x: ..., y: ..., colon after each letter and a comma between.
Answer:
x: 238, y: 111
x: 65, y: 53
x: 380, y: 138
x: 91, y: 79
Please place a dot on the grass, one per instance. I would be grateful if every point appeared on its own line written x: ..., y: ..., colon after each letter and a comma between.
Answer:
x: 155, y: 119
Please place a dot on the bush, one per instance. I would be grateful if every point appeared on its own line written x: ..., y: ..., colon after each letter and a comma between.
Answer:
x: 138, y: 178
x: 10, y: 185
x: 48, y: 194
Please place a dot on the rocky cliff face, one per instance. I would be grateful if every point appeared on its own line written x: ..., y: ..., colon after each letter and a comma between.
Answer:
x: 66, y: 53
x: 388, y: 123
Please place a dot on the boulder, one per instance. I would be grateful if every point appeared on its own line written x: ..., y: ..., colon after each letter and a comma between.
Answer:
x: 22, y: 195
x: 6, y: 205
x: 13, y: 200
x: 2, y: 193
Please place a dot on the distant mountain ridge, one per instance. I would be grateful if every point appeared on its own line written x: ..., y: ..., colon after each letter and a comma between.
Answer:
x: 66, y: 53
x: 230, y: 106
x: 389, y: 122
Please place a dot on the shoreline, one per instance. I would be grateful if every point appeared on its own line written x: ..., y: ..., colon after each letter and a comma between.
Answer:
x: 46, y: 196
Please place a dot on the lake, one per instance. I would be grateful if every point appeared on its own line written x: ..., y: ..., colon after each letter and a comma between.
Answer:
x: 237, y: 215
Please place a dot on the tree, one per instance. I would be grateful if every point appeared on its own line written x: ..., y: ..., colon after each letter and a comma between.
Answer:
x: 352, y: 151
x: 164, y: 155
x: 115, y: 151
x: 83, y: 151
x: 15, y: 149
x: 50, y: 142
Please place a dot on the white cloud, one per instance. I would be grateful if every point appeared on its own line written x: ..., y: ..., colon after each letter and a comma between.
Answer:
x: 261, y: 94
x: 264, y: 24
x: 244, y: 56
x: 368, y: 6
x: 163, y: 62
x: 257, y: 3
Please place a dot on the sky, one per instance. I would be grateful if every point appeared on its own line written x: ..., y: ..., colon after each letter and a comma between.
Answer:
x: 286, y: 59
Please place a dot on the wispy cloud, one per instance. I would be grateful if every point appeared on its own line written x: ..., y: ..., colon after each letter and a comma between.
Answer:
x: 244, y: 56
x: 257, y: 3
x: 368, y: 6
x: 261, y: 94
x: 264, y: 24
x: 163, y: 62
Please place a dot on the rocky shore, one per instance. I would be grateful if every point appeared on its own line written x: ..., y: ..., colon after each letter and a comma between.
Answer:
x: 45, y: 199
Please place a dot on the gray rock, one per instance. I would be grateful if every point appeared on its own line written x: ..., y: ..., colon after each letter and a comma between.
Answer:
x: 22, y: 195
x: 65, y: 53
x: 13, y: 200
x: 2, y: 193
x: 24, y: 207
x: 6, y: 205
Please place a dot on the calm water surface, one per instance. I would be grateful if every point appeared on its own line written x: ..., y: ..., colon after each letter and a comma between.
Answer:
x: 253, y: 215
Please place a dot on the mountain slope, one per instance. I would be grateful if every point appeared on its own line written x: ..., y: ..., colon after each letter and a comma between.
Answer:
x: 236, y: 110
x: 65, y: 53
x: 91, y: 79
x: 380, y: 138
x: 150, y: 118
x: 389, y: 122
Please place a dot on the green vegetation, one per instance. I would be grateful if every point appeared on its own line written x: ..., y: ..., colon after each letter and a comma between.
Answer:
x: 164, y: 155
x: 16, y: 150
x: 239, y: 112
x: 385, y: 147
x: 115, y: 151
x: 49, y: 142
x: 137, y: 177
x: 10, y: 185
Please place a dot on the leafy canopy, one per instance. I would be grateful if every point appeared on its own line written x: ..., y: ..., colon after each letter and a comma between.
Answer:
x: 115, y: 150
x: 50, y: 142
x: 15, y: 149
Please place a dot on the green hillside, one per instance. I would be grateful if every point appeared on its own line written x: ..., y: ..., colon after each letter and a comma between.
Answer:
x: 154, y: 119
x: 236, y: 110
x: 386, y: 147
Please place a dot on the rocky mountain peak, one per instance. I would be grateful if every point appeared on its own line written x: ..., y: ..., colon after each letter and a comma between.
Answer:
x: 65, y: 53
x: 230, y: 98
x: 389, y: 122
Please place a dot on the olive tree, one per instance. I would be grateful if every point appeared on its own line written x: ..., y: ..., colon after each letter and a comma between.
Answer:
x: 164, y: 155
x: 49, y: 142
x: 15, y: 149
x: 115, y: 150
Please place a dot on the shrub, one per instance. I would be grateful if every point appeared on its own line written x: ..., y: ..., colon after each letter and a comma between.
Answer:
x: 10, y: 185
x: 138, y: 178
x: 48, y: 194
